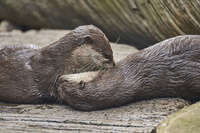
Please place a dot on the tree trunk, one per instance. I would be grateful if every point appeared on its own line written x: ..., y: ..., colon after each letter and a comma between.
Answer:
x: 138, y: 22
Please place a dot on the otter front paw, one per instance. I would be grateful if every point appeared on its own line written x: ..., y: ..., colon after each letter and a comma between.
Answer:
x: 68, y: 84
x: 80, y: 77
x: 82, y: 84
x: 71, y: 88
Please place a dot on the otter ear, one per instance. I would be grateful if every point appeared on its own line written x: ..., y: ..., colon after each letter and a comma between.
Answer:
x: 88, y: 39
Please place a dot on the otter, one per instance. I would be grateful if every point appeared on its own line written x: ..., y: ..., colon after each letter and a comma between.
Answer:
x: 28, y: 73
x: 170, y: 68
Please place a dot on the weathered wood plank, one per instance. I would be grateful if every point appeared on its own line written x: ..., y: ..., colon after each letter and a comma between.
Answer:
x: 138, y: 117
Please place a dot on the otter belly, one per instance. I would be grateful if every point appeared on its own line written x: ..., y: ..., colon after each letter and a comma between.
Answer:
x: 17, y: 82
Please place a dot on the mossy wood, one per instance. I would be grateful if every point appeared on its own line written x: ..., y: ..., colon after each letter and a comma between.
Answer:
x: 186, y: 120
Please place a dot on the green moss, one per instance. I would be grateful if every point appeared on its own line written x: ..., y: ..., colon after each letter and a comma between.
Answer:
x: 186, y: 120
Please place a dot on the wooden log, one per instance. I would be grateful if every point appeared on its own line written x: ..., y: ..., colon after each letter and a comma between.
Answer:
x: 138, y: 22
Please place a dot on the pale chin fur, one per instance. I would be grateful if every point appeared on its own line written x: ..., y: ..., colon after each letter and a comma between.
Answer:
x: 77, y: 78
x: 74, y: 79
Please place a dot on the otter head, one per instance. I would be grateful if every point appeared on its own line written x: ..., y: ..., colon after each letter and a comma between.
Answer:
x: 94, y: 52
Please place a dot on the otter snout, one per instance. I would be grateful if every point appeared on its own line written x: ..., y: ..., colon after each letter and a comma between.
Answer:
x: 108, y: 65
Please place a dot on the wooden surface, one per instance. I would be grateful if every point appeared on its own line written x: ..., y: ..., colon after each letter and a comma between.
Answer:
x: 138, y: 117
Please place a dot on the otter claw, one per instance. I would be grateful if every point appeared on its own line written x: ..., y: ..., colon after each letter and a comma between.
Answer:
x: 82, y: 84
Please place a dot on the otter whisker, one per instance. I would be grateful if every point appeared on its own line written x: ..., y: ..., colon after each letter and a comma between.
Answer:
x: 84, y: 68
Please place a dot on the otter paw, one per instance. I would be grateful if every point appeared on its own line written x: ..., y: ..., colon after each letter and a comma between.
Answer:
x: 80, y: 77
x: 82, y: 84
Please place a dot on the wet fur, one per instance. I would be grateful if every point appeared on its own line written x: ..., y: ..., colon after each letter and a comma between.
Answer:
x: 170, y: 68
x: 84, y: 59
x: 28, y: 74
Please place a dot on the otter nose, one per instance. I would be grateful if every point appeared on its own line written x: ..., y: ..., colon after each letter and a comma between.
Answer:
x: 113, y: 63
x: 108, y: 65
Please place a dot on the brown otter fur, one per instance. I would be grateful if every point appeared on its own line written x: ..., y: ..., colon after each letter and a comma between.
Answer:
x: 170, y: 68
x: 28, y: 74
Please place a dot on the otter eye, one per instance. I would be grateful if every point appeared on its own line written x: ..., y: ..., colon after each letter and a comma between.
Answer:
x: 88, y: 39
x: 107, y: 56
x: 101, y: 51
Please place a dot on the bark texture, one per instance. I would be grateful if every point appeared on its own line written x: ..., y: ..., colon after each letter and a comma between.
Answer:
x: 138, y: 22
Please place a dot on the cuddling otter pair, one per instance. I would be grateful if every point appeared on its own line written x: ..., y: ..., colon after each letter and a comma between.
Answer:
x: 28, y: 74
x: 170, y: 68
